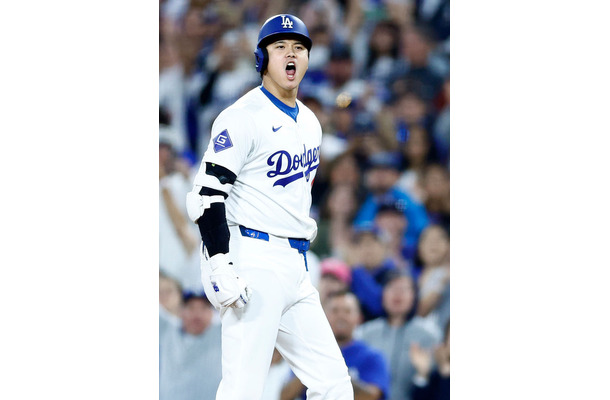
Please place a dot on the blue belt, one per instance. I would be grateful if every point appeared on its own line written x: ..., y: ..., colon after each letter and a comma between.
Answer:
x: 302, y: 245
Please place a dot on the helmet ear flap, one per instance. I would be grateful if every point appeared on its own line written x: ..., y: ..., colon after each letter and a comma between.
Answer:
x: 261, y: 58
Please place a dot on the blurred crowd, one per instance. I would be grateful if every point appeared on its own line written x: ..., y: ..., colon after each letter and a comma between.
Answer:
x: 378, y: 81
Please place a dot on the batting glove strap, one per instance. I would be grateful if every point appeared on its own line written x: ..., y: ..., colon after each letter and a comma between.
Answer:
x: 230, y: 290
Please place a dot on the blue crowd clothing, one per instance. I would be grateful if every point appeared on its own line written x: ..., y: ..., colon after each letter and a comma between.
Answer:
x: 368, y: 285
x: 367, y: 365
x: 415, y: 212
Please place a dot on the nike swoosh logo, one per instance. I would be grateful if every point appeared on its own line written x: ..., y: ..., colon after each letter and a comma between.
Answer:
x: 276, y: 129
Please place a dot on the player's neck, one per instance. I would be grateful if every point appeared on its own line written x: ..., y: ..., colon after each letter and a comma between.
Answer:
x: 286, y: 96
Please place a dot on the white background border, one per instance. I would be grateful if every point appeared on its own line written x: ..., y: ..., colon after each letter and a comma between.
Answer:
x: 79, y: 90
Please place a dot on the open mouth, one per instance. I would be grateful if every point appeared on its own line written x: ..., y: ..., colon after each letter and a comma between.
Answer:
x: 291, y: 69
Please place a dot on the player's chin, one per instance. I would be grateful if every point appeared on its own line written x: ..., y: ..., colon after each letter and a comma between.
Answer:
x: 293, y: 80
x: 291, y: 84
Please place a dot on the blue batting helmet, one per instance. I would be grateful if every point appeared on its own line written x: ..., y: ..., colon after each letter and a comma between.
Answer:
x: 282, y: 25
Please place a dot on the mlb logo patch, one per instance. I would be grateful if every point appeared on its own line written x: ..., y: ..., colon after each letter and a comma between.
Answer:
x: 222, y: 141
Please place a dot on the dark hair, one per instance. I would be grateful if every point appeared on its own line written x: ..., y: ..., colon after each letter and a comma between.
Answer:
x: 425, y: 31
x: 338, y: 293
x: 418, y: 261
x: 394, y: 30
x: 311, y: 99
x: 342, y: 293
x: 396, y: 274
x: 188, y: 295
x: 432, y: 154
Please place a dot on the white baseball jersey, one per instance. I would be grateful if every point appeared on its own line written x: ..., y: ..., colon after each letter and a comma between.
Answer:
x: 274, y: 152
x: 275, y: 159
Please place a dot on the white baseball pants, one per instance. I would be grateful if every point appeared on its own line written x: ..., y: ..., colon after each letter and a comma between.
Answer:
x: 284, y: 312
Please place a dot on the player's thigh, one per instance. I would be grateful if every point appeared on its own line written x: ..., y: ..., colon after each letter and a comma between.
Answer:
x: 306, y: 341
x: 248, y: 339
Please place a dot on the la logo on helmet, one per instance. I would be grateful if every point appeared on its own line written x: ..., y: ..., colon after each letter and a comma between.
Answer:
x: 286, y: 22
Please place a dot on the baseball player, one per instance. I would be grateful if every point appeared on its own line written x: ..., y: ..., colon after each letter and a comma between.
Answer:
x: 251, y: 201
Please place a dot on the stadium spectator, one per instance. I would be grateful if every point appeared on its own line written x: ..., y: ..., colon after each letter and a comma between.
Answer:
x: 344, y: 170
x: 380, y: 181
x: 335, y: 225
x: 178, y: 238
x: 229, y: 74
x: 180, y: 83
x: 383, y: 55
x: 394, y: 333
x: 321, y: 35
x: 434, y: 279
x: 190, y: 355
x: 371, y: 268
x: 416, y: 156
x: 420, y: 67
x: 436, y: 186
x: 336, y: 276
x: 435, y: 13
x: 392, y: 223
x: 440, y: 129
x: 432, y: 379
x: 336, y: 197
x: 170, y: 293
x: 411, y: 109
x: 342, y: 87
x: 368, y: 367
x: 367, y: 140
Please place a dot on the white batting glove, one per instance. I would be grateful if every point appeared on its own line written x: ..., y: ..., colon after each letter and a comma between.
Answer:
x: 230, y: 290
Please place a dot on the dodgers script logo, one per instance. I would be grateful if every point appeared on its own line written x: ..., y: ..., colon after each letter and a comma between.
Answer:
x: 285, y: 164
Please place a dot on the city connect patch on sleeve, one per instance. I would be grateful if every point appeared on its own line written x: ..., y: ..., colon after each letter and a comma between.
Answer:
x: 222, y: 141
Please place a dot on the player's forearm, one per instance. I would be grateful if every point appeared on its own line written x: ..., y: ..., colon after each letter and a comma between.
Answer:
x: 293, y: 389
x: 214, y: 229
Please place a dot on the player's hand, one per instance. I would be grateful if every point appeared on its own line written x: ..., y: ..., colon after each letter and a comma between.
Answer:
x: 230, y: 290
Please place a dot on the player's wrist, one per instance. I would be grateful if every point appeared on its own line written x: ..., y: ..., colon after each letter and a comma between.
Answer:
x: 219, y: 260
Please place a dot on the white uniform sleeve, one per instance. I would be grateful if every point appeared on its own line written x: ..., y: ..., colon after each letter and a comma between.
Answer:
x: 232, y: 140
